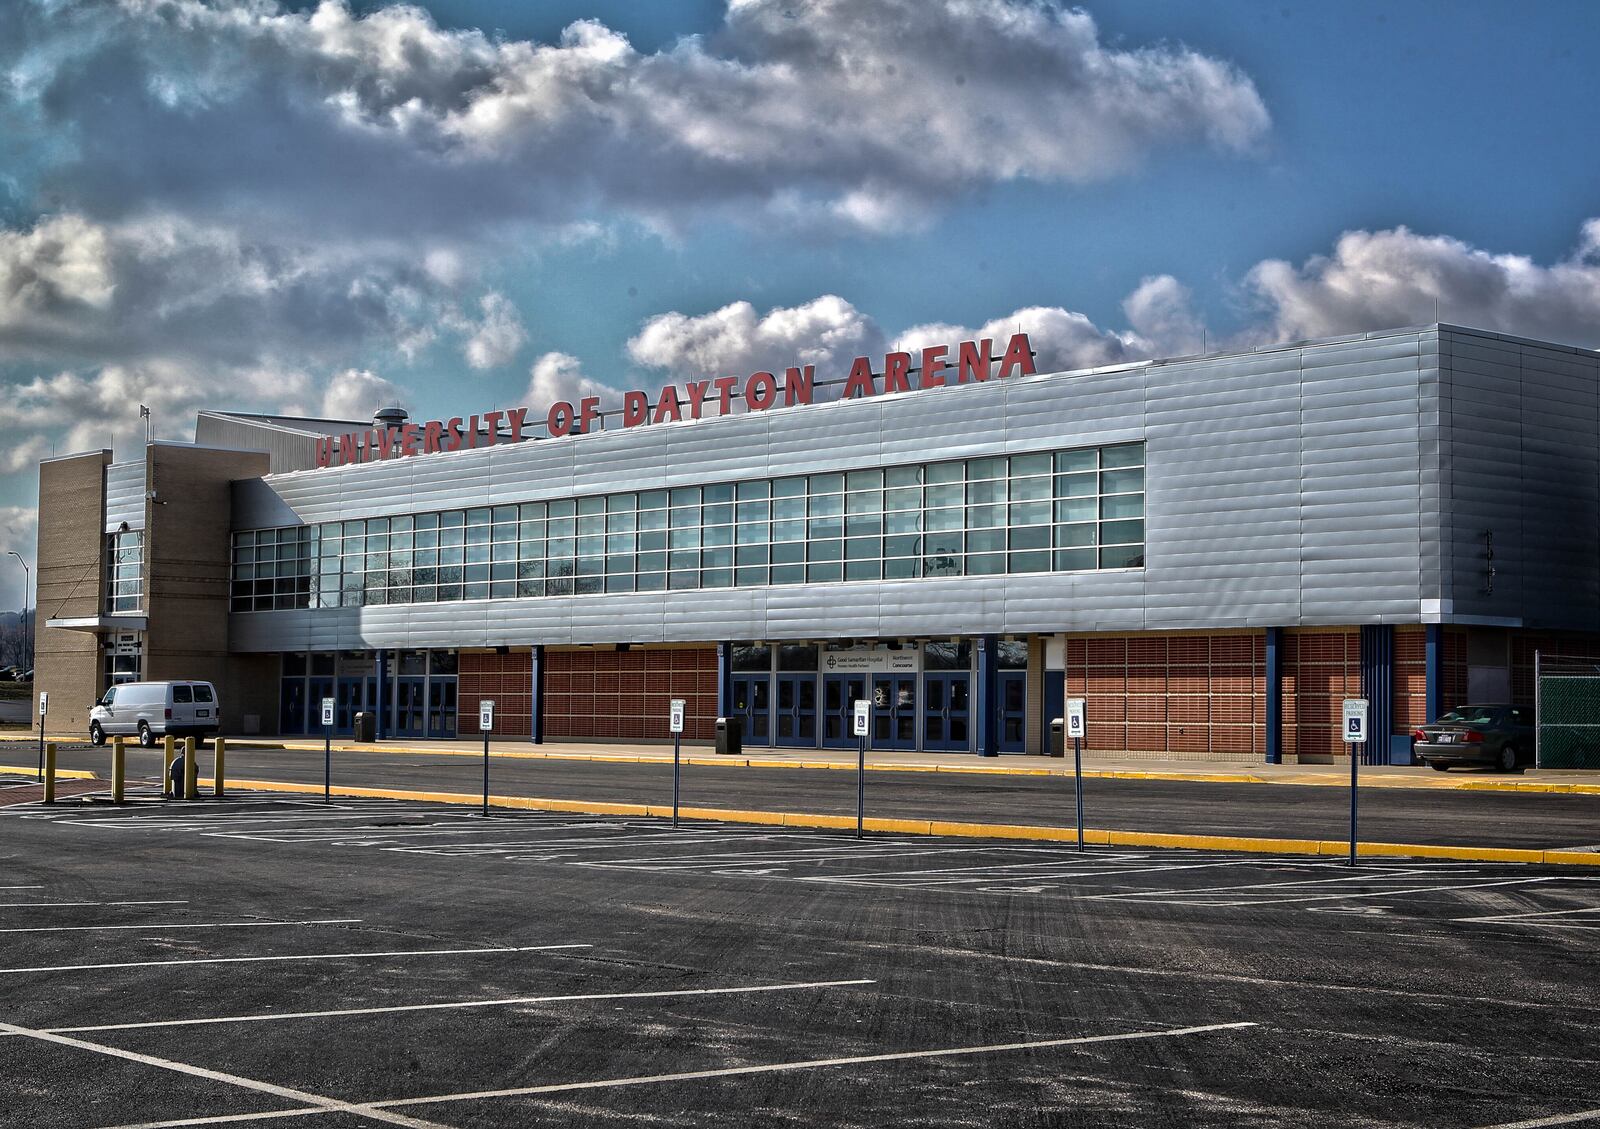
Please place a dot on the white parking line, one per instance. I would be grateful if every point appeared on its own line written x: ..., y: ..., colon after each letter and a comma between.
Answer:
x: 1557, y: 1119
x: 21, y: 887
x: 272, y: 1017
x: 162, y: 927
x: 316, y: 1101
x: 62, y: 905
x: 1522, y: 918
x: 296, y: 956
x: 693, y: 1075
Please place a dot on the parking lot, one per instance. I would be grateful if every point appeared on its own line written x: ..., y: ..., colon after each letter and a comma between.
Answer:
x: 273, y: 961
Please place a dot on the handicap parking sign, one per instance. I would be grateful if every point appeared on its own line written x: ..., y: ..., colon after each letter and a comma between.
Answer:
x: 1355, y: 721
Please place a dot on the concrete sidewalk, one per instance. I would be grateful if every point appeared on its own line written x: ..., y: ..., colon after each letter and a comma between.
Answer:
x: 1095, y: 765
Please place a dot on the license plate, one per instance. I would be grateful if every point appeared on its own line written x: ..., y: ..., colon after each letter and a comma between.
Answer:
x: 202, y: 713
x: 1447, y: 738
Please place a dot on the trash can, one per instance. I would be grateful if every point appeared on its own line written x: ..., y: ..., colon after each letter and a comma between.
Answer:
x: 730, y: 735
x: 1058, y: 737
x: 366, y: 726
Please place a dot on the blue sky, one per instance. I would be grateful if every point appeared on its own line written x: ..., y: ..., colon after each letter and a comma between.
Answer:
x: 319, y: 207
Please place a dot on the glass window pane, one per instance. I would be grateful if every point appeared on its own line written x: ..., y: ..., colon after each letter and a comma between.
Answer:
x: 621, y: 503
x: 986, y: 468
x: 1028, y: 562
x: 1122, y: 556
x: 755, y: 490
x: 1122, y: 505
x: 722, y: 492
x: 1077, y: 509
x: 1121, y: 481
x: 1030, y: 464
x: 1127, y: 454
x: 1076, y: 536
x: 1121, y: 532
x: 902, y: 476
x: 1068, y: 462
x: 935, y: 473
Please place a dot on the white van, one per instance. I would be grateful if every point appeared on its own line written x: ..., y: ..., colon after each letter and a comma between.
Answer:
x: 149, y: 710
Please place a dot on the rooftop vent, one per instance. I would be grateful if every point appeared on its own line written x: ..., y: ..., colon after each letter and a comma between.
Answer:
x: 390, y: 417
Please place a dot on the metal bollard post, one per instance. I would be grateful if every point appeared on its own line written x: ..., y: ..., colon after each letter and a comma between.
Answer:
x: 169, y: 753
x: 217, y: 764
x: 119, y: 761
x: 50, y: 773
x: 191, y: 770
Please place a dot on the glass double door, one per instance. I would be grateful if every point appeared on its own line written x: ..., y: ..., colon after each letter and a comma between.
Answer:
x: 894, y: 711
x: 794, y: 713
x: 947, y: 711
x: 840, y: 692
x: 752, y: 701
x: 410, y: 706
x: 1012, y: 712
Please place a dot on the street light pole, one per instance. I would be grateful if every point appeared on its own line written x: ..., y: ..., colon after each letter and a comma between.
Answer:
x: 27, y: 639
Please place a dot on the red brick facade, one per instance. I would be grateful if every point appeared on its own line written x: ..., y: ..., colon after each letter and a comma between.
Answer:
x: 1193, y: 695
x: 624, y: 695
x: 1320, y: 669
x: 507, y: 680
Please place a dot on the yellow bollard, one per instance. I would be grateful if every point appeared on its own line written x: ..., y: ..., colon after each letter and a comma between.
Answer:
x: 169, y: 753
x: 118, y: 763
x: 191, y: 770
x: 217, y: 765
x: 50, y: 773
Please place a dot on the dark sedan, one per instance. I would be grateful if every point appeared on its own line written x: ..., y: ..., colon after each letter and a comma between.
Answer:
x: 1499, y: 736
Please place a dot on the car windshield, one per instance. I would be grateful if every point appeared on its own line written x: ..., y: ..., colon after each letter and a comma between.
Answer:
x: 1471, y: 715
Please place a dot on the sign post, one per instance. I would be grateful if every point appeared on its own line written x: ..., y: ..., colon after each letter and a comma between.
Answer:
x: 485, y: 723
x: 327, y: 749
x: 858, y: 726
x: 1075, y: 730
x: 675, y: 727
x: 44, y: 708
x: 1354, y: 732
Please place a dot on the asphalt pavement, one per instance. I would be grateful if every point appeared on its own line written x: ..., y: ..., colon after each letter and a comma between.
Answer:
x: 1489, y: 819
x: 400, y: 963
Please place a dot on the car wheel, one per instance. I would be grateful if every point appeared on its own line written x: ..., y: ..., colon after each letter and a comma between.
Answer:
x: 146, y: 738
x: 97, y: 736
x: 1438, y: 766
x: 1508, y: 759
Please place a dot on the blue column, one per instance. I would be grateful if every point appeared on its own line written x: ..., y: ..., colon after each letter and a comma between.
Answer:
x: 988, y: 697
x: 724, y: 679
x: 1274, y: 695
x: 536, y: 706
x: 381, y: 707
x: 1434, y: 678
x: 1377, y: 686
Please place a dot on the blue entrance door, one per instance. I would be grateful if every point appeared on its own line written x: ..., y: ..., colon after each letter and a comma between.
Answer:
x: 292, y: 706
x: 840, y: 692
x: 752, y: 701
x: 794, y: 715
x: 410, y: 706
x: 947, y: 711
x: 894, y: 711
x: 355, y: 694
x: 320, y: 688
x: 442, y: 707
x: 1013, y: 712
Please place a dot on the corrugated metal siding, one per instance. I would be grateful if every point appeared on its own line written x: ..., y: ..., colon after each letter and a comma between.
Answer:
x: 286, y: 450
x: 1521, y: 460
x: 125, y: 495
x: 1330, y: 482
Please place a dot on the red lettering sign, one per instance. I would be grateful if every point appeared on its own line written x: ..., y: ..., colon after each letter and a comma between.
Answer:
x: 975, y: 362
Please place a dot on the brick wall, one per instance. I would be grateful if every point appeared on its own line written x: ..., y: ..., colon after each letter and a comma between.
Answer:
x: 624, y: 695
x: 69, y: 572
x: 1320, y: 669
x: 1172, y: 695
x: 507, y: 680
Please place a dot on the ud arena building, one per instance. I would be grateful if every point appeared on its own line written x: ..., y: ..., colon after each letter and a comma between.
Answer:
x: 1213, y: 551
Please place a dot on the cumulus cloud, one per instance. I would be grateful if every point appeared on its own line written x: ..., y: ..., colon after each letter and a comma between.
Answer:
x: 355, y: 394
x: 496, y: 337
x: 1163, y: 319
x: 560, y: 376
x: 19, y: 532
x: 832, y: 112
x: 1378, y: 279
x: 826, y: 332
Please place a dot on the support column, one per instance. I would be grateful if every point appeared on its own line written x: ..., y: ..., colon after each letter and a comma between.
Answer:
x: 725, y: 680
x: 988, y: 697
x: 1377, y: 686
x: 1274, y: 695
x: 536, y: 699
x: 384, y: 697
x: 1433, y: 679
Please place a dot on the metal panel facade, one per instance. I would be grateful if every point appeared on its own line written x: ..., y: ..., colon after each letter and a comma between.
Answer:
x: 125, y: 495
x: 1334, y: 482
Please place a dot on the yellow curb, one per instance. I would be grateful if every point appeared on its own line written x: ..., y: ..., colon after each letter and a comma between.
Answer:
x: 33, y: 770
x: 1096, y: 836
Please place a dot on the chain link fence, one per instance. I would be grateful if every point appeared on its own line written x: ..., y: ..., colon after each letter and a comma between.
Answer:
x: 1567, y: 705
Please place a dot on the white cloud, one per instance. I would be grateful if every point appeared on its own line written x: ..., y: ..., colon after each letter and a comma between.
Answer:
x: 833, y: 112
x: 355, y: 394
x: 736, y: 340
x: 1163, y: 318
x: 495, y: 339
x: 58, y: 268
x: 1061, y: 338
x: 560, y: 376
x: 1379, y: 279
x: 18, y: 531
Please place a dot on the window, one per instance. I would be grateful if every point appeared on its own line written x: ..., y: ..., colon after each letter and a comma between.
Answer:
x: 1048, y: 511
x: 125, y: 571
